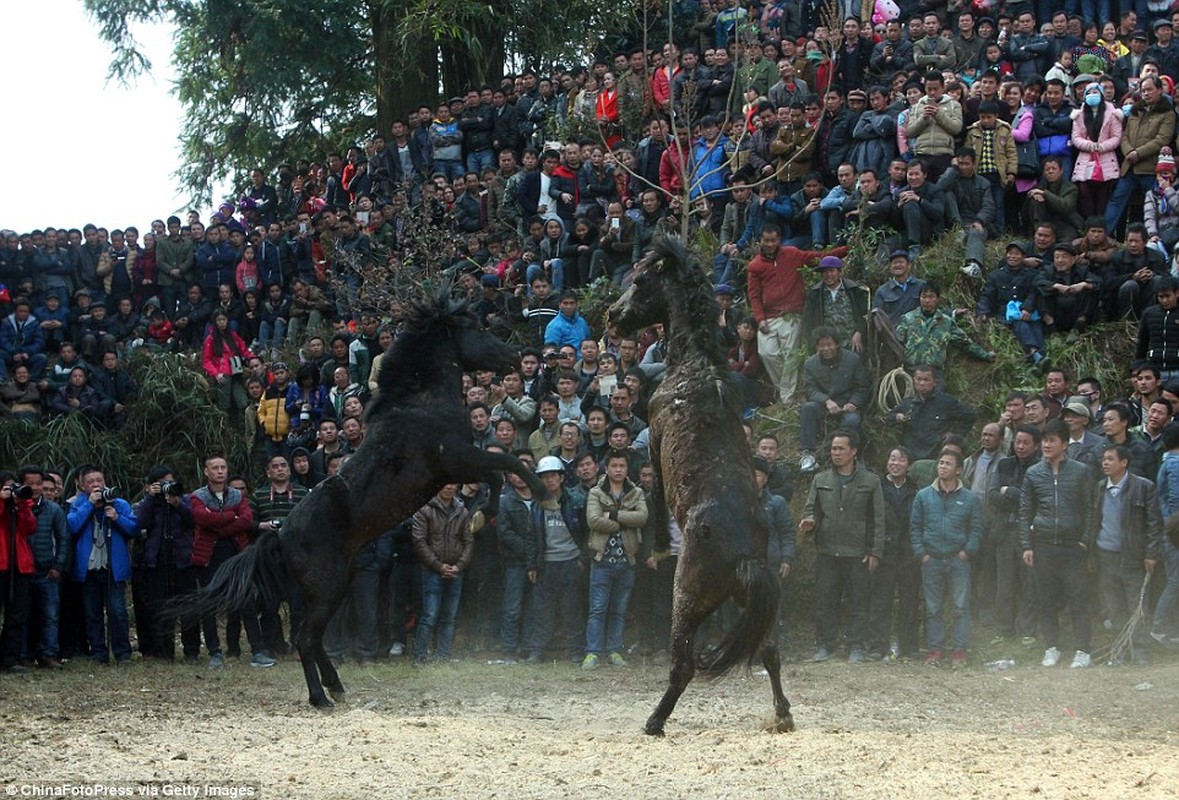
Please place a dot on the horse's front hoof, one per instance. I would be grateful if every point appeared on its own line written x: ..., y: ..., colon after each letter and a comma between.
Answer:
x: 654, y: 728
x: 321, y: 702
x: 783, y: 725
x: 337, y: 692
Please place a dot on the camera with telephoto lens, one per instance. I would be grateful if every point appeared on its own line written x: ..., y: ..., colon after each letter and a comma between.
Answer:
x: 110, y: 493
x: 276, y: 524
x: 171, y: 488
x: 21, y: 491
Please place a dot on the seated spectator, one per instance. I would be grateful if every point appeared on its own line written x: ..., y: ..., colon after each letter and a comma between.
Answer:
x: 1069, y: 292
x: 836, y: 387
x: 124, y: 323
x: 223, y: 359
x: 923, y: 208
x: 1161, y: 207
x: 1054, y: 200
x: 22, y: 395
x: 1095, y: 247
x: 899, y: 294
x: 116, y: 387
x: 805, y: 222
x: 1130, y: 275
x: 94, y: 334
x: 192, y: 314
x: 54, y: 319
x: 77, y: 396
x: 309, y: 308
x: 22, y: 341
x: 1010, y: 296
x: 273, y: 316
x: 306, y: 404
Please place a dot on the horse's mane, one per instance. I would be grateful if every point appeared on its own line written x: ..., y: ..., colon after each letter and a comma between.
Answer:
x: 413, y: 358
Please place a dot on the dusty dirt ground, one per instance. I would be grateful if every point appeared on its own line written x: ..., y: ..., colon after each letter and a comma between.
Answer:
x: 475, y: 730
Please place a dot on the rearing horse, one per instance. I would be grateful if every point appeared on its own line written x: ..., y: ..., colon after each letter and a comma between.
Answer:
x: 417, y: 440
x: 704, y: 475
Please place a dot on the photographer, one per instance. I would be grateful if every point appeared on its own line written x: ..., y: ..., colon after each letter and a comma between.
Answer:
x: 222, y: 519
x: 165, y: 566
x: 51, y: 551
x: 102, y: 525
x: 272, y: 503
x: 16, y: 569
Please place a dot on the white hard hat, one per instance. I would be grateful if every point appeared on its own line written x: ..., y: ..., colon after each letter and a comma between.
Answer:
x: 549, y: 464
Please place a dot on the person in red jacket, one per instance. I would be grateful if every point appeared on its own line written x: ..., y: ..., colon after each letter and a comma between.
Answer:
x: 776, y: 297
x: 223, y: 519
x: 16, y: 570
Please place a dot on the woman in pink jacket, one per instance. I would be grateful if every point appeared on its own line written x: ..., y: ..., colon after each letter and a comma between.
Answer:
x: 223, y: 357
x: 1097, y: 130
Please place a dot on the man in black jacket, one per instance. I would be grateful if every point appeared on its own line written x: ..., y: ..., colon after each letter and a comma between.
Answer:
x: 1015, y: 610
x: 930, y: 414
x: 836, y: 387
x: 1158, y: 330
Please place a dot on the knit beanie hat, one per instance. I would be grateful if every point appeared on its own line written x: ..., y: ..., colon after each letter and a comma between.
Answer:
x: 1166, y: 161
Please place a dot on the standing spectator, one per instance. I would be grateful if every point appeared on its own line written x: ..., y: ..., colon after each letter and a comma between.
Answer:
x: 223, y: 519
x: 898, y: 574
x: 223, y: 356
x: 1128, y: 537
x: 1149, y: 128
x: 1014, y: 587
x: 554, y: 566
x: 443, y: 543
x: 776, y: 295
x: 1158, y: 330
x: 1163, y: 626
x: 946, y: 532
x: 1055, y: 512
x: 616, y: 512
x: 845, y: 510
x: 17, y: 568
x: 837, y: 303
x: 51, y: 552
x: 1097, y: 132
x: 165, y: 569
x: 102, y: 525
x: 933, y: 126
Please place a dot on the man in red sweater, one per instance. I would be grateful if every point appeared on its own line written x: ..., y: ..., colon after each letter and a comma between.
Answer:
x: 223, y: 520
x: 776, y: 295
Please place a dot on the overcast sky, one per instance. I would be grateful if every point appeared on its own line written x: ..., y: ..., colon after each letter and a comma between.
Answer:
x: 99, y: 152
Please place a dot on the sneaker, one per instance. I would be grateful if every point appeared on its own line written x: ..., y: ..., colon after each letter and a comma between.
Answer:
x: 590, y: 662
x: 216, y: 661
x: 999, y: 640
x: 958, y: 659
x: 972, y: 269
x: 1028, y: 641
x: 856, y: 656
x: 934, y: 658
x: 260, y: 659
x: 821, y: 655
x: 1051, y: 657
x: 616, y: 660
x: 398, y: 649
x: 1081, y: 660
x: 1161, y: 638
x: 807, y: 463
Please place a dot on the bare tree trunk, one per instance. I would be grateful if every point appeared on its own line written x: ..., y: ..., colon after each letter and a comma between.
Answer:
x: 404, y: 81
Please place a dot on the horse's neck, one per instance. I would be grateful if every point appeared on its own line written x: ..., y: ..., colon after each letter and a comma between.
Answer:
x: 685, y: 343
x: 434, y: 383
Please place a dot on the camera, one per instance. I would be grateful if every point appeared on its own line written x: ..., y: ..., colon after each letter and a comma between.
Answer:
x: 171, y: 488
x: 305, y: 414
x: 110, y: 493
x: 276, y: 524
x: 20, y: 491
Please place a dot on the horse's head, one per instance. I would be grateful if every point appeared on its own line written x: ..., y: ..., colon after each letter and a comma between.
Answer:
x: 666, y: 275
x: 645, y: 302
x: 471, y: 346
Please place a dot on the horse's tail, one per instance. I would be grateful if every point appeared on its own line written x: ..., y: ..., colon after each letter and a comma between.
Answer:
x: 756, y: 621
x: 254, y: 576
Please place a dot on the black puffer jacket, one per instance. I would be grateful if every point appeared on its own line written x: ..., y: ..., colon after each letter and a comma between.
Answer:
x: 1055, y: 508
x: 1158, y: 337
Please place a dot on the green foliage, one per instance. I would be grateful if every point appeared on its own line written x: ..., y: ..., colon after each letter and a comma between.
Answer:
x: 175, y: 421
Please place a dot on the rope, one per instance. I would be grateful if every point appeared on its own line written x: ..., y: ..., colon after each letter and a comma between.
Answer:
x: 1123, y: 646
x: 894, y: 387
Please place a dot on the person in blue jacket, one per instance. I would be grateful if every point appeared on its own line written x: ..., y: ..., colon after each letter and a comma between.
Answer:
x: 102, y: 527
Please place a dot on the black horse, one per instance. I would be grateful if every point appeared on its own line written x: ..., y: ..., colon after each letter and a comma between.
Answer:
x: 704, y: 475
x: 417, y: 439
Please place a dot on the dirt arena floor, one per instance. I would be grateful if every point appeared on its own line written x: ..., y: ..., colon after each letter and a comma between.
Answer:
x: 472, y: 729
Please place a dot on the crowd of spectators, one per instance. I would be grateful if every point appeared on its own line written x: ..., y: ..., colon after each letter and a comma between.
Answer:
x: 775, y: 135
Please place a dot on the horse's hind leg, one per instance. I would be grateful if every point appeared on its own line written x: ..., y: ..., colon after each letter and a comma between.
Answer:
x: 322, y: 601
x: 783, y: 719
